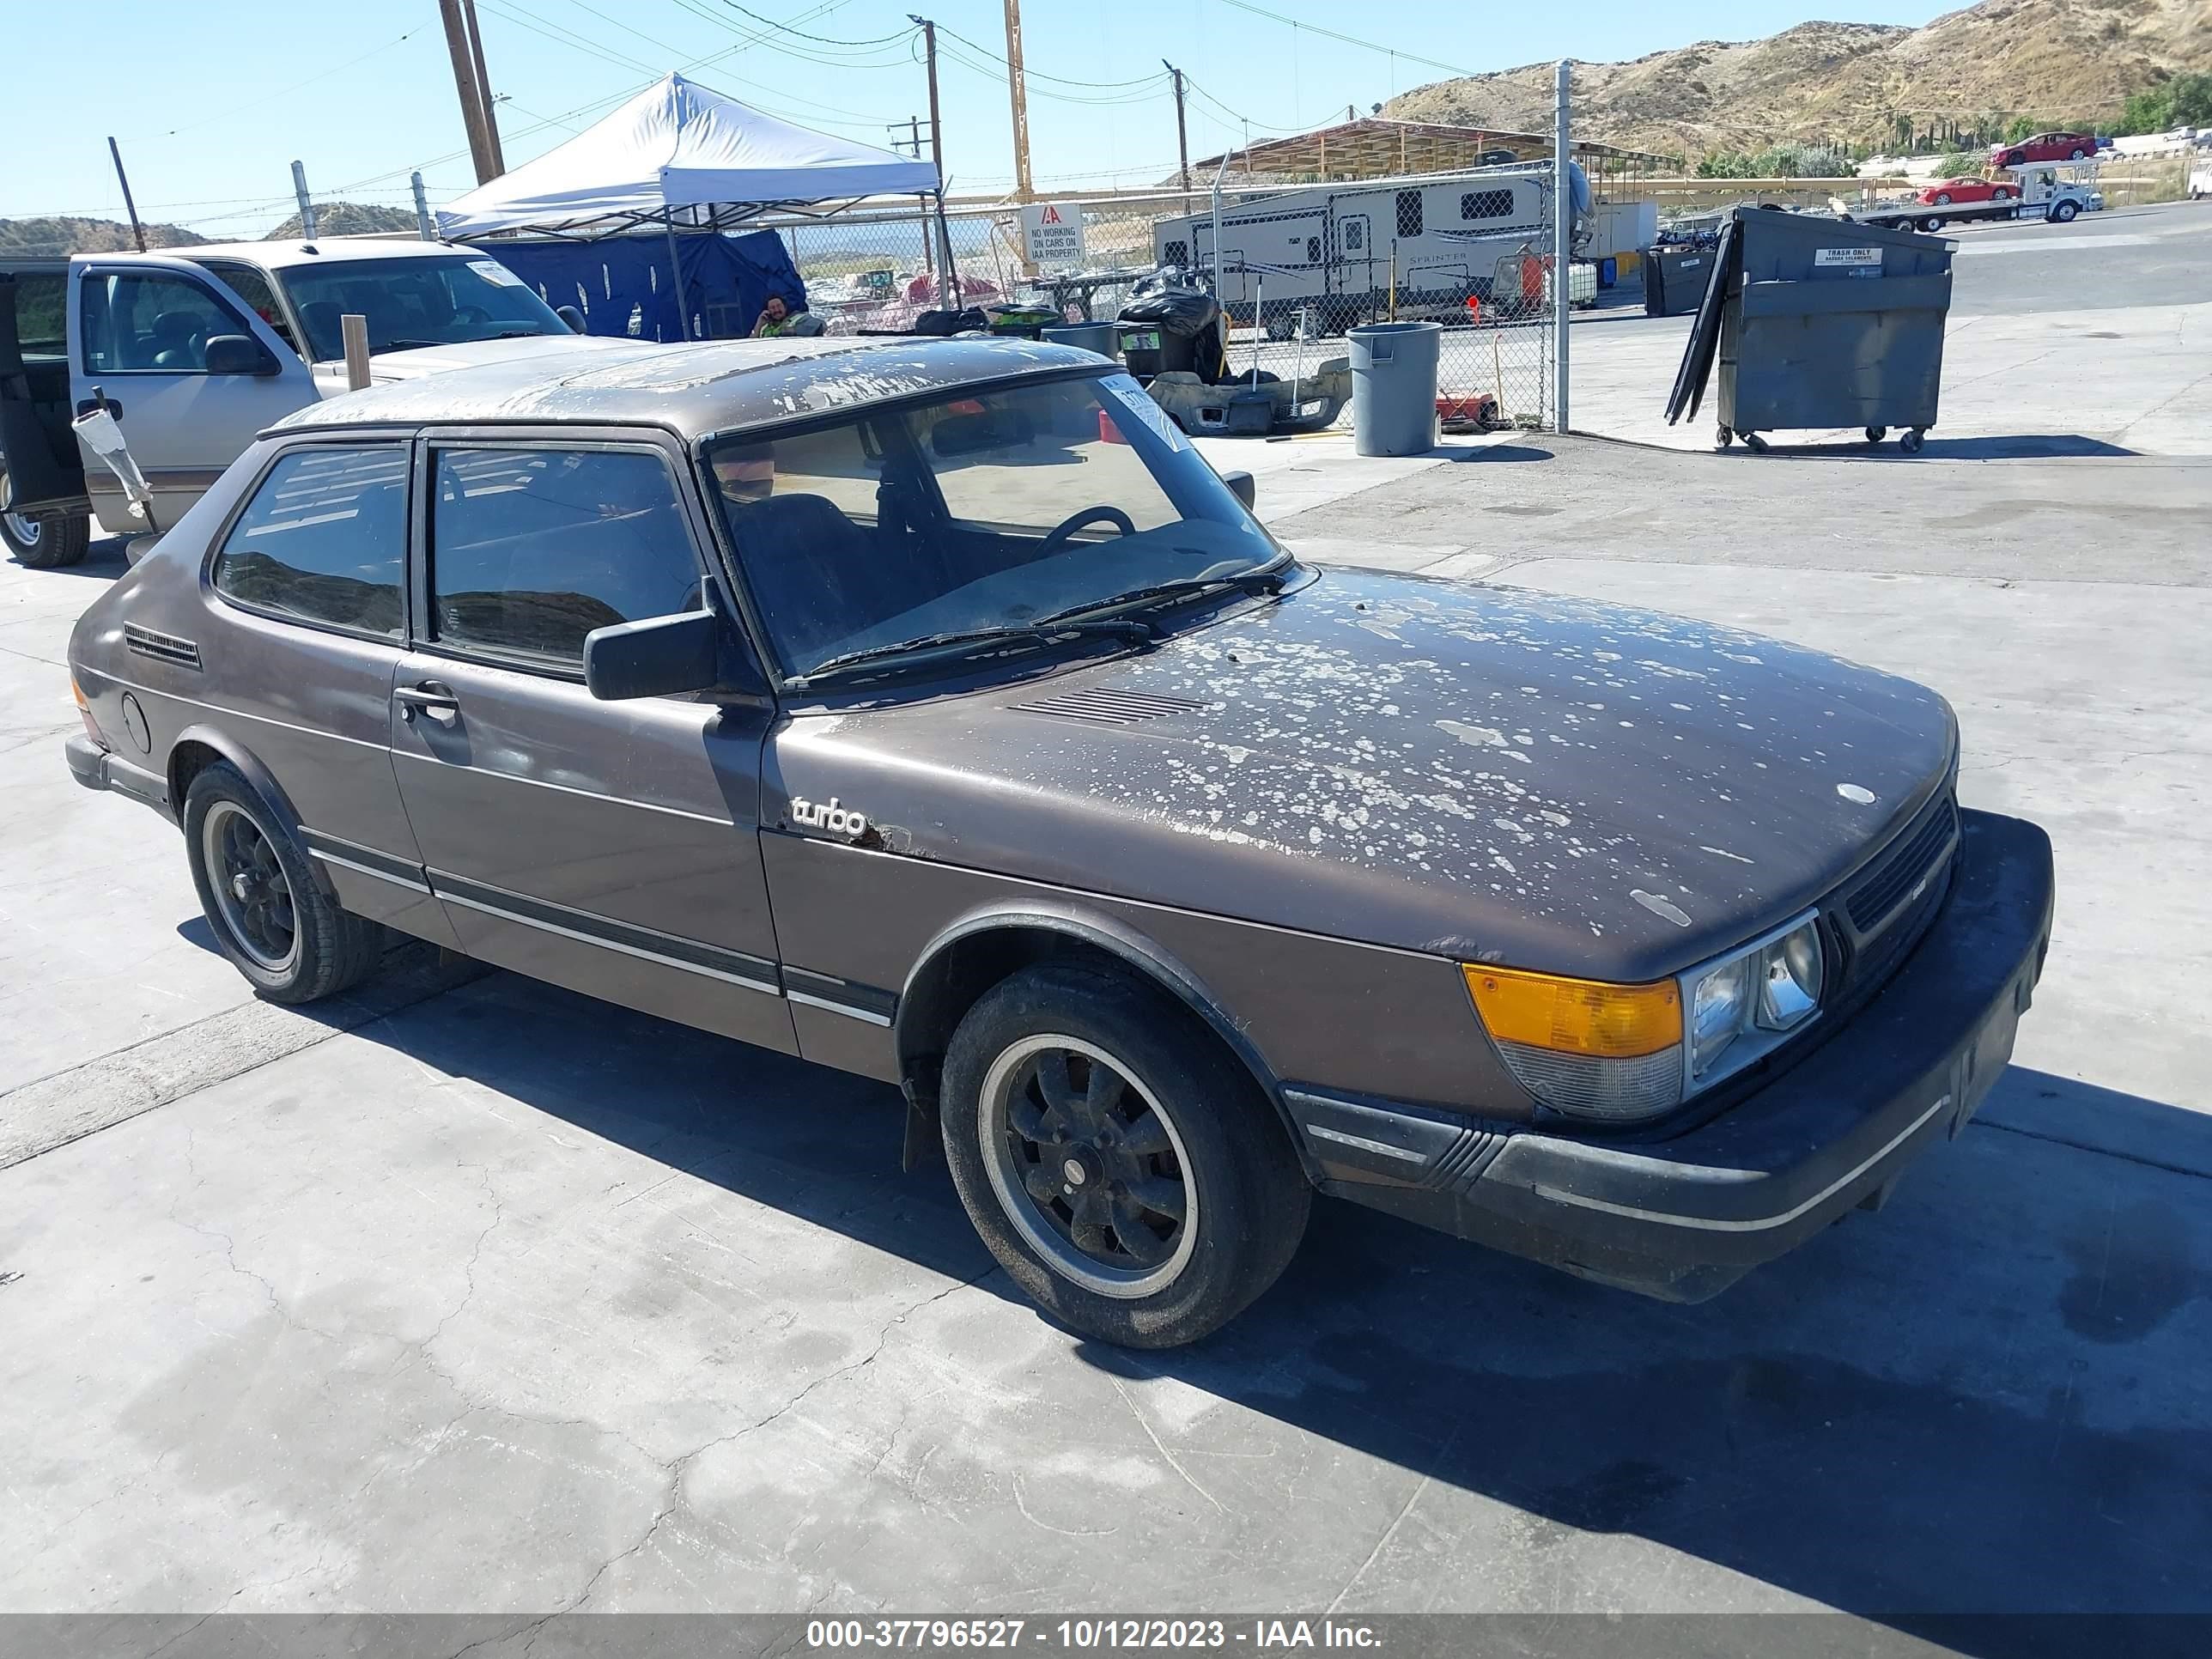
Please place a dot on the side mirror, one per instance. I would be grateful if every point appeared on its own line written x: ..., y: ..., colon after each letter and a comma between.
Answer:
x: 659, y: 657
x: 571, y: 316
x: 237, y: 354
x: 1242, y: 487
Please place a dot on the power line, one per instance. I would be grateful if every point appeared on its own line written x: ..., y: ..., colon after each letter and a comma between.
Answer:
x: 259, y: 105
x: 1348, y: 39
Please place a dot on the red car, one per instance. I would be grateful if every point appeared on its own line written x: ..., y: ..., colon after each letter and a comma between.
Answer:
x: 2045, y: 147
x: 1959, y: 192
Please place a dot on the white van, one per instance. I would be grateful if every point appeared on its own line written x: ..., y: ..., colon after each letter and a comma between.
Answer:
x: 195, y: 350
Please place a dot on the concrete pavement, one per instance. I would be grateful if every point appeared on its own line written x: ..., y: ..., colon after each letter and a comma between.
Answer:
x: 485, y: 1297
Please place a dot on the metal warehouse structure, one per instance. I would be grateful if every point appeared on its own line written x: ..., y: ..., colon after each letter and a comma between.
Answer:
x: 1376, y: 147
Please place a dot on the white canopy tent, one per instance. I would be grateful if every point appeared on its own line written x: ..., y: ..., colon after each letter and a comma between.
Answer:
x: 681, y: 154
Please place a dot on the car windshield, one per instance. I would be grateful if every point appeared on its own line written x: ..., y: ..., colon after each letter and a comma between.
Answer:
x: 991, y: 511
x: 414, y: 303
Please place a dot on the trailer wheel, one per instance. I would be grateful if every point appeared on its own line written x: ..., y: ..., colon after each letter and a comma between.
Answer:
x: 1911, y: 441
x: 1931, y: 224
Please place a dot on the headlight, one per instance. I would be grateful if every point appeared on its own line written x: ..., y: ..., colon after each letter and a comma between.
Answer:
x: 1790, y: 975
x: 1743, y: 1005
x: 1716, y: 1013
x: 1619, y: 1053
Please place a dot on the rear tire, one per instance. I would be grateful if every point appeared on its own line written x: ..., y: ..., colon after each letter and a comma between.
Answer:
x: 1078, y: 1102
x: 270, y: 914
x: 43, y: 543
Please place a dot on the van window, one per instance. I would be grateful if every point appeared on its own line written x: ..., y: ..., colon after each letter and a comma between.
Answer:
x: 152, y: 321
x: 1486, y: 205
x: 532, y: 548
x: 1409, y: 213
x: 324, y: 540
x: 252, y: 286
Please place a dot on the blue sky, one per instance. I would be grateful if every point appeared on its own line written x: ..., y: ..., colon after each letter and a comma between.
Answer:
x: 212, y: 104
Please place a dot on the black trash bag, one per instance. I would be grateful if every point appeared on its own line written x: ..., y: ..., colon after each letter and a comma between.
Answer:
x: 951, y: 322
x: 1189, y: 322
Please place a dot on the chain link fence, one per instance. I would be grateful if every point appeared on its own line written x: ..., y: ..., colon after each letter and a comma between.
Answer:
x: 1297, y: 265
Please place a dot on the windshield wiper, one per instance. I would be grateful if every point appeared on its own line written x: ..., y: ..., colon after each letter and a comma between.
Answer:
x: 519, y: 334
x: 1261, y: 578
x: 934, y: 648
x: 402, y: 345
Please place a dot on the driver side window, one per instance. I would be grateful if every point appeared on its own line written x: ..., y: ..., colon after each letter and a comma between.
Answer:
x: 150, y: 321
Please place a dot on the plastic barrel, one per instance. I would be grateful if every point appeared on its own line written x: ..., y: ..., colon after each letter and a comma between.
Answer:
x: 1101, y: 337
x: 1394, y: 387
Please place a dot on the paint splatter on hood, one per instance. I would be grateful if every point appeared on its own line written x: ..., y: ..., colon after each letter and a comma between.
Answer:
x: 1483, y: 772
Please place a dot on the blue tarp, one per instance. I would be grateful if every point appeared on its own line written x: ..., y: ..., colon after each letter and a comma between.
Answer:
x: 621, y: 283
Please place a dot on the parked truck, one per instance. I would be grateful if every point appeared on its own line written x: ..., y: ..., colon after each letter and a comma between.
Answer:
x: 1335, y: 254
x: 2027, y: 191
x: 195, y: 350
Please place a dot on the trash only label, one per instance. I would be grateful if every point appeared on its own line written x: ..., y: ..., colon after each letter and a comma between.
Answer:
x: 1052, y: 234
x: 1847, y: 256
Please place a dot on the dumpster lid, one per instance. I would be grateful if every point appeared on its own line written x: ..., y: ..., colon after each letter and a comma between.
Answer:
x: 1703, y: 344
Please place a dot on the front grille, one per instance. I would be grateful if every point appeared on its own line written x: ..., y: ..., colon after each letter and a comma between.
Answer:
x: 1880, y: 894
x: 1104, y: 706
x: 1879, y: 956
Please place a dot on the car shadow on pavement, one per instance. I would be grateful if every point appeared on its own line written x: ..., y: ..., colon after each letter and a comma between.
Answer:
x: 1948, y: 1409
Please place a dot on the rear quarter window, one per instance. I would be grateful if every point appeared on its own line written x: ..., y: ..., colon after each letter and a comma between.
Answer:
x: 324, y: 540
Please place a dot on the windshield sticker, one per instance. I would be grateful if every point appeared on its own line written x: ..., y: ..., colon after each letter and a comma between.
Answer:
x: 1131, y: 396
x: 492, y: 272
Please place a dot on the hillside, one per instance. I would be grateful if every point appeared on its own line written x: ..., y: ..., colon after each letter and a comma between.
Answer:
x: 350, y: 219
x: 2054, y: 61
x: 21, y: 236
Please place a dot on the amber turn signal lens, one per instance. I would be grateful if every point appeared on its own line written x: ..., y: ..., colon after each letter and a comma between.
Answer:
x: 1576, y: 1016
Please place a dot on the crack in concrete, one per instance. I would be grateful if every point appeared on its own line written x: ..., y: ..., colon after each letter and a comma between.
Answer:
x: 677, y: 1470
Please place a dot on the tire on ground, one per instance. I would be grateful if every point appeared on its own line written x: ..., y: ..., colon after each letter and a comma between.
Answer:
x: 59, y: 543
x: 336, y: 949
x: 1252, y: 1196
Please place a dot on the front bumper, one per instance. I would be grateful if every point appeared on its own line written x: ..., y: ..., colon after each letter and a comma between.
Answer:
x: 1684, y: 1219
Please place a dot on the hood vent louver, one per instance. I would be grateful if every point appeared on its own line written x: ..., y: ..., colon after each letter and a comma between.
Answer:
x: 1104, y: 706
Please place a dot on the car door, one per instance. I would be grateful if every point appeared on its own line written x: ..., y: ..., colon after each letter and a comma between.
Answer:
x: 139, y: 329
x: 294, y: 660
x: 613, y: 847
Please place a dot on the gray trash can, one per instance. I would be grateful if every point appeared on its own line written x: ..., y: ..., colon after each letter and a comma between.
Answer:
x: 1101, y: 337
x: 1818, y: 322
x: 1394, y: 387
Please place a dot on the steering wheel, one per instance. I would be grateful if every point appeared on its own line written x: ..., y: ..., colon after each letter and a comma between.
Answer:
x: 1067, y: 527
x: 471, y: 316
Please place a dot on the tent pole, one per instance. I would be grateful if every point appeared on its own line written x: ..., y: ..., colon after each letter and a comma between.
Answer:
x: 675, y: 269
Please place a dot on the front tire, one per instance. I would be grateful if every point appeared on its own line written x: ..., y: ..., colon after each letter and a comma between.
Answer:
x: 270, y: 914
x: 1126, y: 1173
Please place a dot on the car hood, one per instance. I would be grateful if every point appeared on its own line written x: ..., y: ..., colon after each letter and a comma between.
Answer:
x: 385, y: 366
x: 1481, y: 771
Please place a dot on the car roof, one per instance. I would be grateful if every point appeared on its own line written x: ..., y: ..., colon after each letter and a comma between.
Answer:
x: 696, y: 389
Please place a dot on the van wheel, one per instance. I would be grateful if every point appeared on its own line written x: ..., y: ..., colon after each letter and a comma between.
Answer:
x: 1126, y: 1173
x: 42, y: 544
x: 271, y: 916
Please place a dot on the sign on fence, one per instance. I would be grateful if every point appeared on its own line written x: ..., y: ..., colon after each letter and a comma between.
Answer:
x: 1052, y: 234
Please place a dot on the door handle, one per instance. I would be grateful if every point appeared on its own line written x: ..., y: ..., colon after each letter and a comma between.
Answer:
x: 431, y: 697
x: 87, y: 405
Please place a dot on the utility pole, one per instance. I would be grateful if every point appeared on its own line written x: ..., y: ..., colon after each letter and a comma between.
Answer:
x: 137, y: 230
x: 949, y: 291
x: 465, y: 83
x: 1019, y: 93
x: 1182, y: 135
x: 1563, y: 218
x: 912, y: 144
x: 483, y: 86
x: 423, y: 220
x: 306, y: 203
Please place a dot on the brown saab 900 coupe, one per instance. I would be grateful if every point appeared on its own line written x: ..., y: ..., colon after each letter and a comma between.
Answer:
x: 933, y: 711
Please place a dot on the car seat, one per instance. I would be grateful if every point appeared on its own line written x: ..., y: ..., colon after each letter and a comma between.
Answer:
x: 178, y: 341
